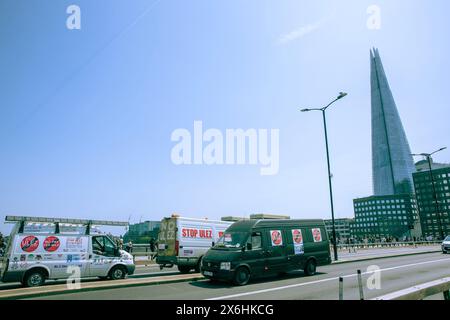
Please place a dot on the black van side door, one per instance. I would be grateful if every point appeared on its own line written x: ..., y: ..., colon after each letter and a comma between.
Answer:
x: 254, y: 256
x: 275, y: 250
x: 295, y: 247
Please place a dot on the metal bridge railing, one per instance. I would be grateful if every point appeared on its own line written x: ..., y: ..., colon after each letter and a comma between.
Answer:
x: 421, y: 291
x: 346, y: 247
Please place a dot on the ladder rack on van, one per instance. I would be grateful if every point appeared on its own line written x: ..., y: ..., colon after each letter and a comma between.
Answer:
x: 88, y: 223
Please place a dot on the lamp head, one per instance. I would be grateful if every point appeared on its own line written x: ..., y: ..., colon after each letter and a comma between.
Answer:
x: 342, y: 95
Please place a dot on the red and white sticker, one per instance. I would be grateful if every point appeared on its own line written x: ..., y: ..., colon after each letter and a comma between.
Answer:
x: 29, y: 243
x: 317, y: 235
x: 276, y: 237
x: 297, y: 236
x: 51, y: 244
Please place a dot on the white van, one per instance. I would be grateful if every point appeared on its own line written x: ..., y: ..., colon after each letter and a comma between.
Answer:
x: 184, y: 241
x: 48, y: 248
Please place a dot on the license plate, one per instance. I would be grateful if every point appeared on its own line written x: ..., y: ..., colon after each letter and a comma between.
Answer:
x: 161, y: 246
x: 208, y: 273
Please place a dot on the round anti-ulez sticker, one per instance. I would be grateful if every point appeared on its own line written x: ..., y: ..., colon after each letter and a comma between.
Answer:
x: 29, y: 243
x: 317, y: 235
x: 297, y: 236
x: 51, y: 244
x: 277, y: 239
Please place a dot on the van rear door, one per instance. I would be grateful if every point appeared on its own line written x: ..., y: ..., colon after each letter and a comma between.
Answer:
x: 167, y: 238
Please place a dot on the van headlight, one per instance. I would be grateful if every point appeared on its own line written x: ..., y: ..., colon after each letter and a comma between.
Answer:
x: 225, y: 266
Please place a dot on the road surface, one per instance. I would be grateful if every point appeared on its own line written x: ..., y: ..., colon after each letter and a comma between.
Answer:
x: 396, y: 273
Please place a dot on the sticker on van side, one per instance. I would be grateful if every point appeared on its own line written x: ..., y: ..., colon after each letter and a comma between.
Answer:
x: 297, y: 239
x: 29, y: 243
x: 51, y: 243
x: 276, y: 237
x: 317, y: 235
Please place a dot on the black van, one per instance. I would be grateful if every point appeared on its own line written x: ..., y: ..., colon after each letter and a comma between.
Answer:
x: 253, y: 248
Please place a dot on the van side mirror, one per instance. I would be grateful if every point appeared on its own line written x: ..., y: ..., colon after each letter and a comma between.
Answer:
x: 213, y: 244
x: 249, y: 246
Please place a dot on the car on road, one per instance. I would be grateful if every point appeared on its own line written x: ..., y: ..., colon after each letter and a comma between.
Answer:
x: 184, y: 241
x: 43, y: 248
x: 446, y: 245
x: 254, y: 248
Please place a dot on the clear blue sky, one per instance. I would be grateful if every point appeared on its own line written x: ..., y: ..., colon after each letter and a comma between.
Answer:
x: 86, y: 115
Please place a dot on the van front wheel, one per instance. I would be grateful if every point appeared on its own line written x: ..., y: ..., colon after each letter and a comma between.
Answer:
x: 34, y: 279
x: 241, y: 276
x: 117, y: 273
x: 310, y: 268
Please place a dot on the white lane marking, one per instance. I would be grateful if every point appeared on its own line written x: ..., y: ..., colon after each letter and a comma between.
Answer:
x: 322, y: 280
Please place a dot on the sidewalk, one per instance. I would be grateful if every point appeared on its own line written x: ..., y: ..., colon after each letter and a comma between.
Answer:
x: 371, y: 254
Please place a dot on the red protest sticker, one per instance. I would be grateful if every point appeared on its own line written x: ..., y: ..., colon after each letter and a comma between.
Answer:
x: 29, y: 243
x: 277, y: 238
x: 51, y: 244
x: 317, y: 235
x: 297, y: 236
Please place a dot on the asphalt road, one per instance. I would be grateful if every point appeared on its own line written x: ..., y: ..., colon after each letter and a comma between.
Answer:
x: 396, y: 274
x: 144, y: 271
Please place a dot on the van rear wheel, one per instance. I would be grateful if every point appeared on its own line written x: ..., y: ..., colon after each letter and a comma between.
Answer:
x: 241, y: 276
x: 310, y: 268
x: 184, y: 269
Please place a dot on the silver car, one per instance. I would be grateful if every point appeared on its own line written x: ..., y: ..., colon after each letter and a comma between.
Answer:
x: 446, y: 245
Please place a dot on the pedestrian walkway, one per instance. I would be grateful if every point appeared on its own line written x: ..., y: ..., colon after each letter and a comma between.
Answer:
x: 364, y: 254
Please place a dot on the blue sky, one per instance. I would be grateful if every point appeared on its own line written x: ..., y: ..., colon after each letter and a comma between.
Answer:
x: 86, y: 115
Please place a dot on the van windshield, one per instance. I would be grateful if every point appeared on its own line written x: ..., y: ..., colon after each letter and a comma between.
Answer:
x: 447, y: 239
x: 232, y: 240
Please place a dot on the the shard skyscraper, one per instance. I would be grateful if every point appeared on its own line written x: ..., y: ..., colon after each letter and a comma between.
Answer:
x: 392, y: 163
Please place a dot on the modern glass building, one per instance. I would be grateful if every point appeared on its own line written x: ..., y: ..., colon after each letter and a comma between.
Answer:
x: 391, y: 211
x: 392, y: 163
x: 434, y: 217
x: 342, y: 227
x: 385, y: 216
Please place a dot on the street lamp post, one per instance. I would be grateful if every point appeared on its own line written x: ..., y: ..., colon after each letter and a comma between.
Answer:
x: 323, y: 110
x: 436, y: 202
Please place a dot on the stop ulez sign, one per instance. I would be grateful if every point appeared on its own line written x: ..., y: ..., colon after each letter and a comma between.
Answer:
x: 196, y: 233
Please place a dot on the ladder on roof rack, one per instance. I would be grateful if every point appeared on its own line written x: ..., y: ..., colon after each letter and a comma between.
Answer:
x: 88, y: 223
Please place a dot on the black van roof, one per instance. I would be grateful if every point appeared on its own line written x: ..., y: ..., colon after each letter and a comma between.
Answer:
x: 244, y: 225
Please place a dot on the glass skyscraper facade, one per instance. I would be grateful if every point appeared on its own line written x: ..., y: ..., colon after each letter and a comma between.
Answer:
x: 392, y: 163
x: 392, y: 210
x: 434, y: 213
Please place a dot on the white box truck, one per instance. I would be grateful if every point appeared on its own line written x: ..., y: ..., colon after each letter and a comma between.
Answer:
x: 184, y: 241
x: 50, y: 248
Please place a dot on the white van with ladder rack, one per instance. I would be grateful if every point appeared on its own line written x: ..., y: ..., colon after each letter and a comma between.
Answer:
x: 53, y: 248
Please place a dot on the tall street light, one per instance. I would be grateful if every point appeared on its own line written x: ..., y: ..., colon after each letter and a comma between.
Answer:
x: 341, y: 95
x: 436, y: 202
